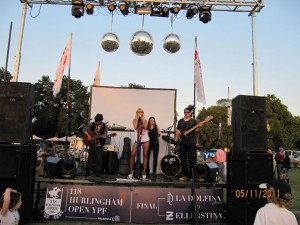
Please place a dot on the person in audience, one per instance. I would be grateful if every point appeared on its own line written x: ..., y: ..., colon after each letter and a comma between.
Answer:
x: 10, y: 202
x: 275, y: 211
x: 279, y: 156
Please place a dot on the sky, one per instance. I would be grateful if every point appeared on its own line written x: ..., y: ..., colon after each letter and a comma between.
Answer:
x: 224, y: 45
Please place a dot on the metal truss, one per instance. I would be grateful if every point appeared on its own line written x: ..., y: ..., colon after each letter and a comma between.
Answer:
x: 215, y: 5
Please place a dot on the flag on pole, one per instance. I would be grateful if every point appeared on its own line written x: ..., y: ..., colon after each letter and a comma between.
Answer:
x: 198, y: 77
x: 229, y: 110
x: 97, y: 76
x: 64, y: 61
x: 220, y: 132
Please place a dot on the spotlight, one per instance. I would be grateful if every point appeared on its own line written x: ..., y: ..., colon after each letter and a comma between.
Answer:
x: 142, y: 10
x: 205, y: 14
x: 111, y: 7
x: 165, y: 11
x: 77, y: 8
x: 124, y: 9
x: 191, y: 12
x: 175, y: 10
x: 89, y: 9
x: 160, y: 12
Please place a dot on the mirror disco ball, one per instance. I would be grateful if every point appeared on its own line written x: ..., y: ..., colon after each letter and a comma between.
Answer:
x: 141, y: 43
x: 172, y: 43
x: 110, y: 42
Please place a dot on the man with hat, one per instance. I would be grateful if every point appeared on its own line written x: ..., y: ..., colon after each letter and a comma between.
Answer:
x: 279, y: 196
x: 279, y: 156
x: 97, y: 134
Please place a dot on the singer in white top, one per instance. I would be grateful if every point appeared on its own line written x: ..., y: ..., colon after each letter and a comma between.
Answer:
x: 141, y: 140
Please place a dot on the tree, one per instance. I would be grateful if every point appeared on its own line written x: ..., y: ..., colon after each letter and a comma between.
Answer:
x: 8, y: 75
x: 50, y: 114
x: 134, y: 85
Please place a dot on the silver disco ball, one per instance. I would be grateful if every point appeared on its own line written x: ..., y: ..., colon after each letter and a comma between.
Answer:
x: 172, y: 43
x: 110, y: 42
x: 141, y: 43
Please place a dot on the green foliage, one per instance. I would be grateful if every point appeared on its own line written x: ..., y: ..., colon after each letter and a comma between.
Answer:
x: 134, y: 85
x: 8, y: 75
x: 50, y: 114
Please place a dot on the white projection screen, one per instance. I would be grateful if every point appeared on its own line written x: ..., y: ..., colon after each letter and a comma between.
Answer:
x: 118, y: 106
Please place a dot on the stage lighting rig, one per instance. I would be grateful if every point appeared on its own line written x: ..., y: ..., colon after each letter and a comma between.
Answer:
x: 175, y: 10
x: 89, y: 9
x: 124, y: 8
x: 160, y: 11
x: 143, y: 9
x: 191, y: 11
x: 111, y: 7
x: 205, y: 14
x: 77, y: 8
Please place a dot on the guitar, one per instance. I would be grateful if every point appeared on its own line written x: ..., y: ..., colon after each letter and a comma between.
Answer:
x: 183, y: 137
x: 89, y: 137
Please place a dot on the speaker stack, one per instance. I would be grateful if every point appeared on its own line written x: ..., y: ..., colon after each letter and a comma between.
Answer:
x: 17, y: 155
x: 248, y: 164
x: 124, y: 162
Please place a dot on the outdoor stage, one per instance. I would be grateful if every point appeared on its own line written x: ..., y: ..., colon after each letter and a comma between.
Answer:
x: 114, y: 198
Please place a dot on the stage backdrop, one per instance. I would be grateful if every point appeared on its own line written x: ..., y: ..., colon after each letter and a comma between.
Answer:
x: 118, y: 106
x: 132, y: 204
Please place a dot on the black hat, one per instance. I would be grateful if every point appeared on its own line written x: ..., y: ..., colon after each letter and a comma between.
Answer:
x: 99, y: 117
x: 281, y: 186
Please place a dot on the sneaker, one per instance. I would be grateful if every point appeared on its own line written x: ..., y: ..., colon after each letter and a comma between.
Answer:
x: 144, y: 177
x: 130, y: 176
x: 183, y: 179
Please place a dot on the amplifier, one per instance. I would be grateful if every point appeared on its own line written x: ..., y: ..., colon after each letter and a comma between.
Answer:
x: 110, y: 148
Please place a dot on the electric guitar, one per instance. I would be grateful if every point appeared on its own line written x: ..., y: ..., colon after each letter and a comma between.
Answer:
x: 183, y: 137
x: 89, y: 137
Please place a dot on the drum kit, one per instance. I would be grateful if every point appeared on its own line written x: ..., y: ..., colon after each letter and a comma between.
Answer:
x: 170, y: 164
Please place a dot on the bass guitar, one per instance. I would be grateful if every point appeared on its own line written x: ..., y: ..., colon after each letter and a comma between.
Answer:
x: 183, y: 137
x: 89, y: 137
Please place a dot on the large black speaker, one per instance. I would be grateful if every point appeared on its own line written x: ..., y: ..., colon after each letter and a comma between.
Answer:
x: 249, y: 124
x: 16, y: 105
x: 124, y: 162
x: 245, y: 172
x: 54, y: 166
x: 17, y: 171
x: 110, y: 162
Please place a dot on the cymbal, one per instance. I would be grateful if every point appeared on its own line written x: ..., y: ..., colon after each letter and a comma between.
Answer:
x: 168, y: 139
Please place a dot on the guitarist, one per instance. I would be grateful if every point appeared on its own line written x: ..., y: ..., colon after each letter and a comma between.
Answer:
x: 95, y: 157
x: 187, y: 151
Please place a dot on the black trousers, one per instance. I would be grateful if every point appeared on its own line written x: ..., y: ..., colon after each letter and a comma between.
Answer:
x: 153, y: 146
x: 188, y: 157
x: 95, y: 159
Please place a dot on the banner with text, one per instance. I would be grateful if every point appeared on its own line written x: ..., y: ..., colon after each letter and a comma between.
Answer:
x: 133, y: 204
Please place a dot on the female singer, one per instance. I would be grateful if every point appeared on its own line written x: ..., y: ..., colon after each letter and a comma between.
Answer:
x: 141, y: 136
x: 153, y: 133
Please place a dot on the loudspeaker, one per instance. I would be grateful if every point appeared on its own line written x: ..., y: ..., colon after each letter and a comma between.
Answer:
x: 110, y: 162
x: 212, y: 172
x: 69, y: 168
x: 16, y: 105
x: 17, y: 171
x: 54, y: 166
x: 249, y: 130
x: 245, y: 172
x: 124, y: 162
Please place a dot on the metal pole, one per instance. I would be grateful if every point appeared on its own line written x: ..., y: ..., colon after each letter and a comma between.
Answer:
x: 255, y: 82
x: 195, y: 83
x: 18, y: 55
x: 8, y: 47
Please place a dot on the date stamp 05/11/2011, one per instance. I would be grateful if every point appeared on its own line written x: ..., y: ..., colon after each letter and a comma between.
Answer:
x: 256, y: 193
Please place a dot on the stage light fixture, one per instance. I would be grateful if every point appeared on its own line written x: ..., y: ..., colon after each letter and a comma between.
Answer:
x: 175, y: 10
x: 160, y: 12
x: 124, y: 9
x: 77, y: 8
x: 165, y: 11
x: 205, y: 14
x: 111, y: 7
x: 89, y: 9
x: 191, y: 12
x: 142, y: 10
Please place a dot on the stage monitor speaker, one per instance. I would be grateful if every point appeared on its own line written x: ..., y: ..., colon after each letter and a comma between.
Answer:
x: 68, y: 169
x: 249, y: 131
x: 212, y: 172
x: 16, y: 105
x: 17, y: 171
x: 245, y: 172
x: 54, y: 166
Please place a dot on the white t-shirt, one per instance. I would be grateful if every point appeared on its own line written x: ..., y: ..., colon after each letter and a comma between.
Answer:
x: 273, y: 214
x: 11, y: 218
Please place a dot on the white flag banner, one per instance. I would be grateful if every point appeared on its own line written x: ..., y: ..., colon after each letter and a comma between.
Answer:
x: 198, y: 78
x: 97, y: 76
x: 64, y: 61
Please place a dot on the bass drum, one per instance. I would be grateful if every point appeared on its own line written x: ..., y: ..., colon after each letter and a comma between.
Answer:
x: 170, y: 165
